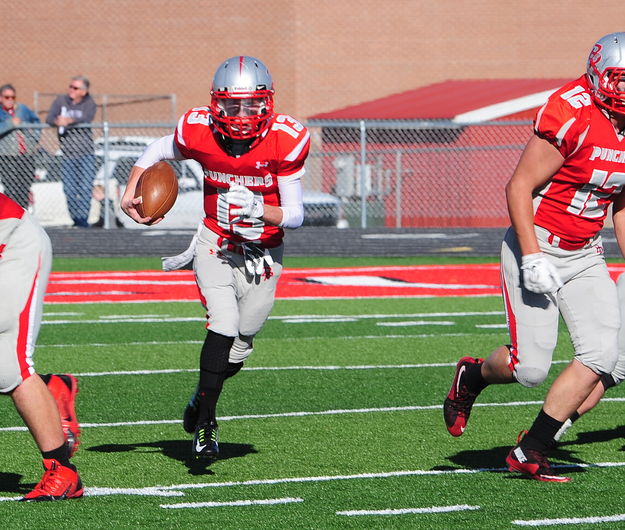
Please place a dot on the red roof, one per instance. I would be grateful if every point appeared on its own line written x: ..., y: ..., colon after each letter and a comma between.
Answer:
x: 449, y: 99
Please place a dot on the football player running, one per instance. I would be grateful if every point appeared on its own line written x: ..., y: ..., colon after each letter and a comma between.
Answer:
x: 45, y: 403
x: 552, y: 264
x: 253, y: 160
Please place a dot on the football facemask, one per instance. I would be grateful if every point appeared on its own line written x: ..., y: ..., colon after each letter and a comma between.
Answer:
x: 242, y: 118
x: 605, y: 70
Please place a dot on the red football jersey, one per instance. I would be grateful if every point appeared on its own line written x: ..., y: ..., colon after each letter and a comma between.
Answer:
x: 9, y: 209
x: 574, y: 203
x: 280, y: 152
x: 10, y: 212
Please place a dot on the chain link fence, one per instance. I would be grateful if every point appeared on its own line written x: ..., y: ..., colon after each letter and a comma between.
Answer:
x: 359, y: 174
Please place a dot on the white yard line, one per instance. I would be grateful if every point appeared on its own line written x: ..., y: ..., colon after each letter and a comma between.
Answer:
x: 281, y: 339
x: 403, y: 511
x: 177, y: 490
x: 301, y: 414
x: 254, y: 502
x: 572, y: 520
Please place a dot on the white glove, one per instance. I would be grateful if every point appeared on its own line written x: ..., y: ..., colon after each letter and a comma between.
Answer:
x: 249, y: 204
x: 539, y: 274
x: 257, y: 259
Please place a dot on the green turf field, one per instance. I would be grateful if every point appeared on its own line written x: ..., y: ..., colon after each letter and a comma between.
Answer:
x: 335, y: 422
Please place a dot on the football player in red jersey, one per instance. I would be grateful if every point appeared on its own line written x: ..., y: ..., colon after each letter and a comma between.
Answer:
x: 552, y: 264
x: 253, y: 160
x: 25, y: 262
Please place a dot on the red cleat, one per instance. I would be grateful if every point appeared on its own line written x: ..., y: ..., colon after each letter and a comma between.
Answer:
x: 64, y: 388
x: 58, y: 483
x: 457, y: 405
x: 534, y: 464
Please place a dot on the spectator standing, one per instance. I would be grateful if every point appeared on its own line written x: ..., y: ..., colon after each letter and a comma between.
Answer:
x: 17, y: 146
x: 78, y: 164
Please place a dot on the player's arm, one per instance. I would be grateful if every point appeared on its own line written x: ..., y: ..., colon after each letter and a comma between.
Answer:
x: 162, y: 149
x: 538, y: 163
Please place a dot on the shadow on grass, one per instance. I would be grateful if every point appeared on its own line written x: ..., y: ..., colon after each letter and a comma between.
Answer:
x: 179, y: 450
x: 494, y: 460
x: 10, y: 482
x: 590, y: 437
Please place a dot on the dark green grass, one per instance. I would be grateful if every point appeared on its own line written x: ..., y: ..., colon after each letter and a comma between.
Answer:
x: 335, y: 437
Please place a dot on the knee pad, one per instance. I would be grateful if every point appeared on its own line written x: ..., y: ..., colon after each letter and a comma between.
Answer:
x: 530, y: 376
x: 241, y: 348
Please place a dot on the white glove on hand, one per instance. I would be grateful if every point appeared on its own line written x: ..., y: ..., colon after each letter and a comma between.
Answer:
x: 539, y: 275
x: 249, y: 205
x: 257, y: 259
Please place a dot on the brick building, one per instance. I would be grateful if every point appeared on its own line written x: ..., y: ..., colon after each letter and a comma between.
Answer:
x: 324, y: 55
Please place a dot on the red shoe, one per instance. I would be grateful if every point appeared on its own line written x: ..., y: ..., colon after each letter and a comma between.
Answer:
x: 64, y: 388
x: 457, y: 405
x: 58, y: 483
x: 533, y: 463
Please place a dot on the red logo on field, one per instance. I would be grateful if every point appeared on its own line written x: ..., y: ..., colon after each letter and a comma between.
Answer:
x: 356, y: 282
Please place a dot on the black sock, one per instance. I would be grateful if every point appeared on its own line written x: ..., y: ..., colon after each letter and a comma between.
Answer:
x: 213, y: 371
x: 473, y: 377
x: 60, y: 454
x: 540, y: 437
x: 574, y: 417
x: 233, y: 369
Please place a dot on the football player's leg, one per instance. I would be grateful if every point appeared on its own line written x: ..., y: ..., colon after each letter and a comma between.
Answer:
x: 24, y: 272
x: 215, y: 276
x: 606, y: 381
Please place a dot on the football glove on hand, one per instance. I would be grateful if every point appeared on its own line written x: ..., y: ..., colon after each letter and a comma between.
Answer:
x: 539, y: 274
x: 249, y: 205
x: 257, y: 259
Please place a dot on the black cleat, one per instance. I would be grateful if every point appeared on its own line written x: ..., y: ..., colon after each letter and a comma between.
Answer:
x: 205, y: 446
x: 191, y: 413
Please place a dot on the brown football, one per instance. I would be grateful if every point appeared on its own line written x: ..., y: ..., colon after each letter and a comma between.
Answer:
x: 158, y: 187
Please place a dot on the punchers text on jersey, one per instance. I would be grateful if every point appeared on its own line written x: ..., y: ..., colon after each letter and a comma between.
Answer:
x: 577, y: 197
x: 280, y: 152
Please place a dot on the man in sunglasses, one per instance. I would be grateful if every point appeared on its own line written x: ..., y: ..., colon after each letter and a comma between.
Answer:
x: 17, y: 146
x: 78, y: 165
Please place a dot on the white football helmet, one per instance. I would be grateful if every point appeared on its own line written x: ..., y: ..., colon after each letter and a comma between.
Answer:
x: 606, y: 72
x: 242, y: 98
